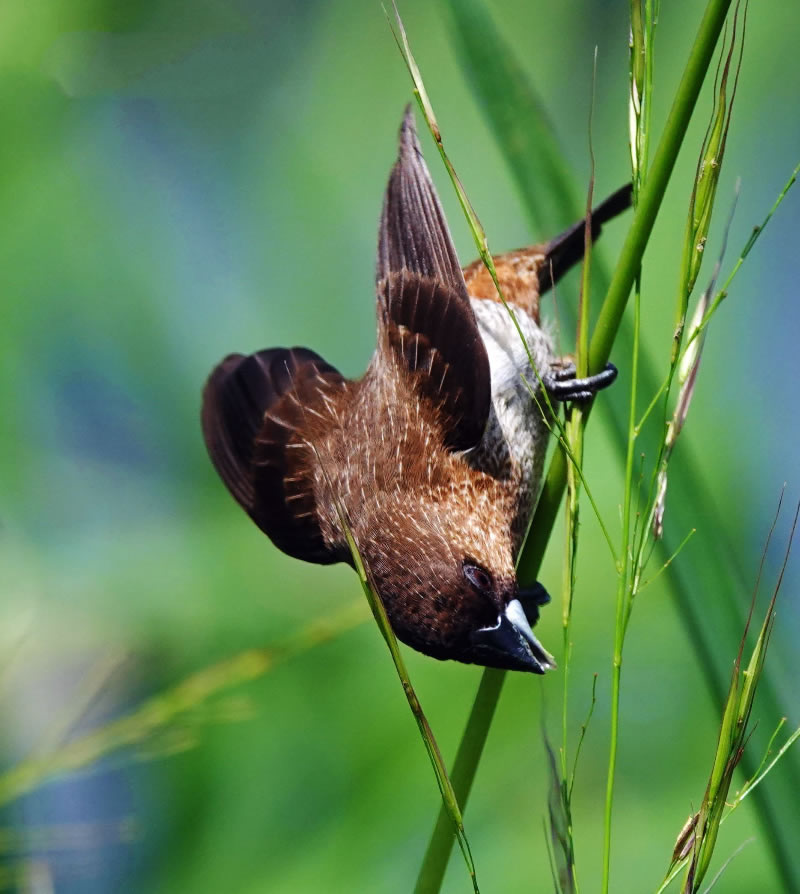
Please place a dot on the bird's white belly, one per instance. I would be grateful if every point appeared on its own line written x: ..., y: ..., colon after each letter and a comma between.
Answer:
x: 517, y: 427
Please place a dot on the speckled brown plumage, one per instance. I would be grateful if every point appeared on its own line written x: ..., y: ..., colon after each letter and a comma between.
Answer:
x: 434, y: 456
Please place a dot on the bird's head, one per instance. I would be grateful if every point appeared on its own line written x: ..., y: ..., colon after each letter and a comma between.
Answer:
x: 450, y: 590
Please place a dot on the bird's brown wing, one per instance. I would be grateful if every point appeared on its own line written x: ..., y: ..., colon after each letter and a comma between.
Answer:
x: 424, y: 311
x: 262, y: 416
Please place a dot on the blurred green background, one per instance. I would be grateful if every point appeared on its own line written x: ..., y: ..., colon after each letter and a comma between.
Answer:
x: 181, y: 180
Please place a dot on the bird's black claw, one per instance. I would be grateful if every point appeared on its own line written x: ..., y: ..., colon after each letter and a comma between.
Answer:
x: 562, y: 385
x: 531, y: 598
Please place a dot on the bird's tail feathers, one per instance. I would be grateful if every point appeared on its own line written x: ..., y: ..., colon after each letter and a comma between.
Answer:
x: 568, y: 248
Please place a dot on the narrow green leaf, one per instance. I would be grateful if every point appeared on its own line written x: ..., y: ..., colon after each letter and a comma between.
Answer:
x: 449, y: 799
x: 518, y: 117
x: 611, y: 312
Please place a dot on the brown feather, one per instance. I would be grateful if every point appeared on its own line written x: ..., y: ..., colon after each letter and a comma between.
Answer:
x: 413, y: 233
x: 260, y: 415
x: 434, y: 339
x: 527, y: 273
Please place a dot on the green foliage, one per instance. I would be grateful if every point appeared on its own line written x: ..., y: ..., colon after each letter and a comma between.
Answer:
x: 180, y: 182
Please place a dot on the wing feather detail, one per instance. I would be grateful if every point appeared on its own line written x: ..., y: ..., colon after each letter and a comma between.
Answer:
x: 261, y: 415
x: 424, y: 310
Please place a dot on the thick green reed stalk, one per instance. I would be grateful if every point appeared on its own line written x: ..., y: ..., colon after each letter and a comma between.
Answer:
x: 438, y: 852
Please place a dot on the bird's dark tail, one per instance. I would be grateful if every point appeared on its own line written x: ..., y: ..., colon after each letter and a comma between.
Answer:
x: 567, y: 249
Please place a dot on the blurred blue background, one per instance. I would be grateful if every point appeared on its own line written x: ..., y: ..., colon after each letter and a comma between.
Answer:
x: 181, y: 180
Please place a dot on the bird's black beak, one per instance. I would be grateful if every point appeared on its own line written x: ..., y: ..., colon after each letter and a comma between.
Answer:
x: 510, y: 644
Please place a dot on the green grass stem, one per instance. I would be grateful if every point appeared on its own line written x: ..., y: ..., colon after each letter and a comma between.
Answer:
x: 434, y: 864
x: 600, y: 348
x: 515, y: 113
x: 450, y: 804
x: 181, y: 702
x: 630, y: 578
x: 575, y: 424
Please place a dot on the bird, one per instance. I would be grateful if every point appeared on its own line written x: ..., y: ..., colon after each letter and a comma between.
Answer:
x: 432, y: 461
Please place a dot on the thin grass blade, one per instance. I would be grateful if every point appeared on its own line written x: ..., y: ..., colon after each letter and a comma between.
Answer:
x: 449, y: 799
x: 156, y: 714
x: 609, y: 322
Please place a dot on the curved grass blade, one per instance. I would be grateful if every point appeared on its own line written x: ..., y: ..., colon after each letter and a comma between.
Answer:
x: 155, y: 715
x: 518, y: 117
x: 698, y: 839
x: 449, y: 799
x: 608, y: 325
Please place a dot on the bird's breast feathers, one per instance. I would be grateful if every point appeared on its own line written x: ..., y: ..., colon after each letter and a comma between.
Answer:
x: 517, y: 420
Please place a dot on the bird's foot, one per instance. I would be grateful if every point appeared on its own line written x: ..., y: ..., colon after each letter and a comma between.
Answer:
x: 562, y: 384
x: 531, y: 599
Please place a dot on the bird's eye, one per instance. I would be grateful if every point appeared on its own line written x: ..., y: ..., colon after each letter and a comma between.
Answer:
x: 479, y: 577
